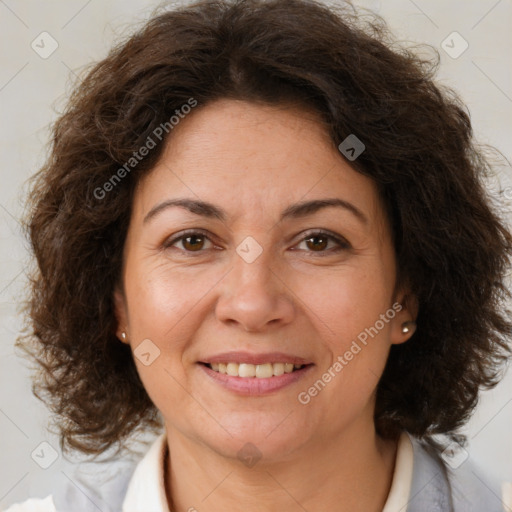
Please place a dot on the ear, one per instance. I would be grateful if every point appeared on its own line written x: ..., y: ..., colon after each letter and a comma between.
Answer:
x: 406, y: 307
x: 121, y: 313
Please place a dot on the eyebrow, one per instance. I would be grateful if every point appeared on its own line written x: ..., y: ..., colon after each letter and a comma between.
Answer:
x: 209, y: 210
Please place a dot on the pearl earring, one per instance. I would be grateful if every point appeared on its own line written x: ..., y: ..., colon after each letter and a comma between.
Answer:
x: 408, y: 327
x: 123, y: 335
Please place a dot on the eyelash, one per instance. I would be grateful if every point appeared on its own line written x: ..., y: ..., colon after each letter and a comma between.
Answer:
x: 342, y: 243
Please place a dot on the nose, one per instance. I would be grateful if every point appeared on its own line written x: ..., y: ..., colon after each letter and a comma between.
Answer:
x: 254, y: 296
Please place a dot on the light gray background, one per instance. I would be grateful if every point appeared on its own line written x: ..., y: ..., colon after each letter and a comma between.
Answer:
x: 32, y: 89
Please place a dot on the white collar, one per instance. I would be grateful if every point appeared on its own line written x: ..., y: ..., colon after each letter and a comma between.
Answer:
x: 146, y: 490
x: 400, y: 491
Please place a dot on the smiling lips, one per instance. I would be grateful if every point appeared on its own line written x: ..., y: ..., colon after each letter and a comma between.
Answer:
x: 255, y: 374
x: 259, y: 371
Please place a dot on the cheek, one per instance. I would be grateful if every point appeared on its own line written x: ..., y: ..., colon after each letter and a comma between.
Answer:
x: 345, y: 302
x: 347, y: 308
x: 162, y: 299
x: 163, y: 309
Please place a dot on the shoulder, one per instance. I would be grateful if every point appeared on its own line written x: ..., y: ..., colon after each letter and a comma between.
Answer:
x: 76, y: 493
x: 100, y: 488
x: 472, y: 490
x: 34, y: 505
x: 450, y: 482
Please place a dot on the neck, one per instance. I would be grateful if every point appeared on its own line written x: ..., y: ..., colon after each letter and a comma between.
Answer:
x: 351, y: 472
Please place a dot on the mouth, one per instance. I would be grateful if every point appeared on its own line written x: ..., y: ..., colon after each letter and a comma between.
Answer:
x: 257, y: 371
x: 255, y: 374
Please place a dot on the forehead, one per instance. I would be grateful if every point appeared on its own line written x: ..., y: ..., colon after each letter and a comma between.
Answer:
x: 253, y: 159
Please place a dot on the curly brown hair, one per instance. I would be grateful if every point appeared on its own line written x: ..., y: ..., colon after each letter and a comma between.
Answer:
x: 452, y: 248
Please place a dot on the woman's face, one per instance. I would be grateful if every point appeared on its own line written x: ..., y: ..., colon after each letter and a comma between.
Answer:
x: 247, y: 275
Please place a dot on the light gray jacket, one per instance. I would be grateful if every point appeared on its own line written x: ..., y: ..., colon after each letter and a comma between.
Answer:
x: 436, y: 487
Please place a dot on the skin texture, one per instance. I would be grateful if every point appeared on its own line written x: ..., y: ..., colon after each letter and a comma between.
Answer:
x: 300, y: 296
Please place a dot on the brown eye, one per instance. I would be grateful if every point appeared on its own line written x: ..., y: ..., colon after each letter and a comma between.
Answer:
x: 318, y: 242
x: 193, y: 242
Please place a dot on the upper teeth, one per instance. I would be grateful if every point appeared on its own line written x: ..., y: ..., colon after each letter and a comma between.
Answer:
x: 260, y: 371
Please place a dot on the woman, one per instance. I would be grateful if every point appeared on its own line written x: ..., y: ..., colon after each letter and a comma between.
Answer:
x: 263, y: 235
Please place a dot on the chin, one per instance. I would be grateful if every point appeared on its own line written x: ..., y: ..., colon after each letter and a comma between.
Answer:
x: 267, y: 438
